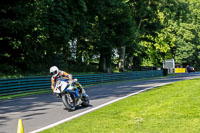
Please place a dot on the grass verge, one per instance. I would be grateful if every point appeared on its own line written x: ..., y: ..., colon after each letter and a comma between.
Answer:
x: 173, y: 108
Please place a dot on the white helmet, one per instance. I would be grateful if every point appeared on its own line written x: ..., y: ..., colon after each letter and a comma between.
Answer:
x: 54, y: 71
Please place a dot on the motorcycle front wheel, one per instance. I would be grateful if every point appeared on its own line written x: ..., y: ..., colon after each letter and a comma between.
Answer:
x: 68, y: 102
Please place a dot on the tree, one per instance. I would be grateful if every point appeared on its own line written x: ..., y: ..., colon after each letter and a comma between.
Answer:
x: 17, y: 24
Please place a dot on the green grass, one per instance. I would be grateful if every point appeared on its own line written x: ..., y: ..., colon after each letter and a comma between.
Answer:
x: 174, y: 108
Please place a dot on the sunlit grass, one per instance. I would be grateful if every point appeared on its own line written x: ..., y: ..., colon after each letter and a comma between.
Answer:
x: 174, y: 108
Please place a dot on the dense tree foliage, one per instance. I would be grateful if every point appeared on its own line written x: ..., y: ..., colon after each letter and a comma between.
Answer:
x: 97, y: 35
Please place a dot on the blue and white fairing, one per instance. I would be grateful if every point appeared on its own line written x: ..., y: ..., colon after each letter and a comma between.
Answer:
x: 63, y: 85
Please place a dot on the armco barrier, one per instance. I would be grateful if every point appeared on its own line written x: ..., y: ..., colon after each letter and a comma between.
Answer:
x: 13, y: 86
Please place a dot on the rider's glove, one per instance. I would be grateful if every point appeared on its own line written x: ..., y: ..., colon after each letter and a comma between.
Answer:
x: 52, y: 88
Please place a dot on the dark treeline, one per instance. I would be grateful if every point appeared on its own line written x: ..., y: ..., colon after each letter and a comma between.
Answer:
x: 97, y: 35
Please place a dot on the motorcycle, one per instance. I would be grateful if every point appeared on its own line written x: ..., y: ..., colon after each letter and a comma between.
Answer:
x: 70, y: 94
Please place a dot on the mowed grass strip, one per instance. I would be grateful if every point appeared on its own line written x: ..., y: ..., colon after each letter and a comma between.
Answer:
x: 174, y: 108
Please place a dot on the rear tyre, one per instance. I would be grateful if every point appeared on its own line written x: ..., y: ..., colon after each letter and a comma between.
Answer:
x: 86, y: 101
x: 68, y: 102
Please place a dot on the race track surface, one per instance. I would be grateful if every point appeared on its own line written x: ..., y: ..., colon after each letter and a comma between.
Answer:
x: 38, y: 111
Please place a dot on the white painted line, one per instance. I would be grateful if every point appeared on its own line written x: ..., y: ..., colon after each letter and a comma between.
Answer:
x: 95, y: 108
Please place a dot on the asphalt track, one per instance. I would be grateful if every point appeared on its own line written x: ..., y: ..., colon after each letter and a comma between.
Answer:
x: 39, y: 111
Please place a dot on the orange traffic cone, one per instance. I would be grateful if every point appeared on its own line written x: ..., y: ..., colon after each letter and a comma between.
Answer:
x: 20, y: 128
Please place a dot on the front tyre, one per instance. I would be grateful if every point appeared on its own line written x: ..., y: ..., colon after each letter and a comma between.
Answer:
x: 68, y: 102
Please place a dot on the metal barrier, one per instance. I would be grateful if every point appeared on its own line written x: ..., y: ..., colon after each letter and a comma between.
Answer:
x: 13, y: 86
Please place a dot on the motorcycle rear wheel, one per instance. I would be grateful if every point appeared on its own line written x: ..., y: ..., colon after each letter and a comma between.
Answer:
x: 69, y: 104
x: 85, y: 102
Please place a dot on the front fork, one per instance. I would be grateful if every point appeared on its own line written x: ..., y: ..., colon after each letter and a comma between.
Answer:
x: 73, y: 96
x: 69, y: 98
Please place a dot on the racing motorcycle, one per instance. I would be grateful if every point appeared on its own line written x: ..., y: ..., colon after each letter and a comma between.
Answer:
x: 70, y: 94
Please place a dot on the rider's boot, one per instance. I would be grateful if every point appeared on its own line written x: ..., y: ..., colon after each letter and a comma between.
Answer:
x: 81, y: 89
x: 79, y: 101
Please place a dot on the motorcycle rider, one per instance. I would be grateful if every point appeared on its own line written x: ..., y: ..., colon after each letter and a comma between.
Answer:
x: 56, y: 73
